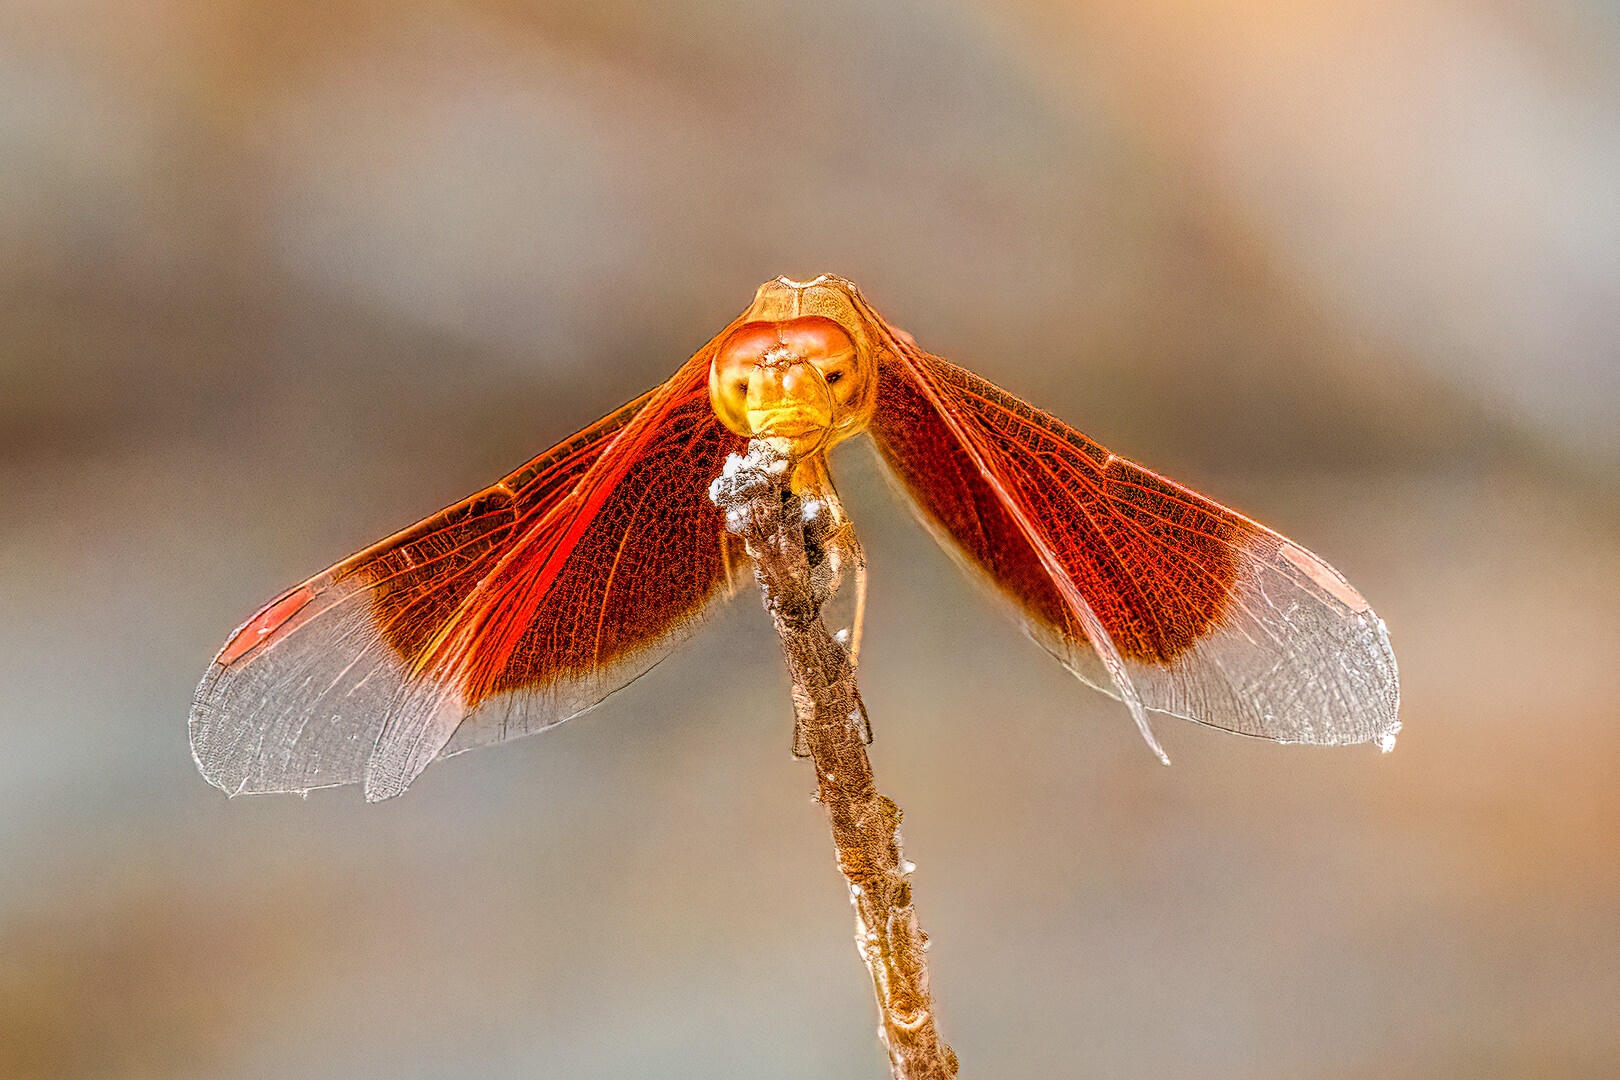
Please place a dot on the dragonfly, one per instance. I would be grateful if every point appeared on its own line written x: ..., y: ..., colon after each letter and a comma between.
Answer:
x: 534, y: 599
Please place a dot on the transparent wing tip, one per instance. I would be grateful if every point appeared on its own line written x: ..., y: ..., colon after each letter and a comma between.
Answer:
x: 1386, y: 741
x: 1140, y: 716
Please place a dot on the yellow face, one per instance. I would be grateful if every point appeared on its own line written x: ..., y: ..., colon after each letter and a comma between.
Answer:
x: 799, y: 381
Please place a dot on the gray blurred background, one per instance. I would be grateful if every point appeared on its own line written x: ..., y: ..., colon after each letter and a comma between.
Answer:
x: 279, y: 278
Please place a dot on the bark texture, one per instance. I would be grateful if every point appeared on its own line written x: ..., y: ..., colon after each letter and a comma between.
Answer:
x: 832, y: 732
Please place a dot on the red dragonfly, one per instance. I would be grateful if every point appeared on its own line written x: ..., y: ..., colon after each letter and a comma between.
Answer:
x: 534, y: 599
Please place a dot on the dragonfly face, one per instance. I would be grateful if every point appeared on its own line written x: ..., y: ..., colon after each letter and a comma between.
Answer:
x: 801, y: 381
x: 799, y: 370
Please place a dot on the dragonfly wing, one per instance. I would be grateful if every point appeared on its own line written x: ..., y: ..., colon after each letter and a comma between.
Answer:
x: 506, y: 613
x: 1141, y: 587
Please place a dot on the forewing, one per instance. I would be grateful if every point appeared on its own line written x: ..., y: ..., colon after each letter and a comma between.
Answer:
x: 506, y: 613
x: 1141, y: 587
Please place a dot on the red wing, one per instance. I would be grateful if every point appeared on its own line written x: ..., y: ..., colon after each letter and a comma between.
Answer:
x: 503, y: 614
x: 1140, y: 586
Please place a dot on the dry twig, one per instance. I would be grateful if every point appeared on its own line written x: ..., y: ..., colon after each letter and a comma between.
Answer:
x: 762, y: 509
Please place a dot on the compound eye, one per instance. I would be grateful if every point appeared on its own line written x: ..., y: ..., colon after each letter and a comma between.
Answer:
x: 816, y: 338
x: 842, y: 374
x: 728, y: 378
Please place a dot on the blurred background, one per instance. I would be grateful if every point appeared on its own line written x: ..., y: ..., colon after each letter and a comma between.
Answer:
x: 279, y: 278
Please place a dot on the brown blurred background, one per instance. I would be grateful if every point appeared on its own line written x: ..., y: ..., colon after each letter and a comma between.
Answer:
x: 278, y: 278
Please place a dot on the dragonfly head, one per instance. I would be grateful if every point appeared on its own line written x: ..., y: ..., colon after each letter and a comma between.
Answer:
x: 800, y: 382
